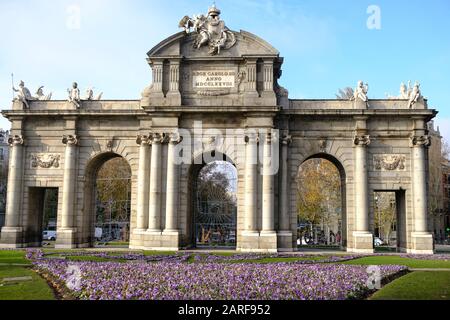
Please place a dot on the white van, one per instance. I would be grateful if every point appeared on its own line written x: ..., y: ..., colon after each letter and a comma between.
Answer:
x: 49, y: 235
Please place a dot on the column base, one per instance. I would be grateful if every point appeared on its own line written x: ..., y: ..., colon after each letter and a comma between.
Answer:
x: 284, y: 239
x: 421, y: 243
x: 156, y: 240
x: 362, y: 242
x: 12, y: 237
x: 66, y: 238
x: 253, y: 241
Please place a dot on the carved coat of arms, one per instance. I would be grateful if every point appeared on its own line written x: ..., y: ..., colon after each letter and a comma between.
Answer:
x: 210, y: 31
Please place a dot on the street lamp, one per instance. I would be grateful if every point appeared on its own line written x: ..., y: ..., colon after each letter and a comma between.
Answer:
x: 379, y: 216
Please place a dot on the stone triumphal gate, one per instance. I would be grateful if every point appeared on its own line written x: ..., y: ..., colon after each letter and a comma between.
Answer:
x: 215, y: 95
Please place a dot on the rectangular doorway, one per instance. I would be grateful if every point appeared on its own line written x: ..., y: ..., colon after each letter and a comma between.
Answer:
x: 389, y: 216
x: 42, y: 213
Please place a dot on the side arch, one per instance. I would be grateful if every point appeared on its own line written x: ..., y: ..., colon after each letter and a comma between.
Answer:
x: 92, y: 167
x: 343, y: 173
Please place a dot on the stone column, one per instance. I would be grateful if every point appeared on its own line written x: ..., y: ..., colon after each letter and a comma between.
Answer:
x: 174, y: 76
x: 69, y: 181
x: 172, y: 193
x: 251, y: 77
x: 284, y: 188
x: 422, y: 239
x: 66, y: 232
x: 174, y: 83
x: 157, y: 72
x: 363, y: 238
x: 268, y: 75
x: 154, y: 223
x: 143, y: 182
x: 284, y: 233
x: 251, y: 187
x: 268, y: 197
x: 11, y: 232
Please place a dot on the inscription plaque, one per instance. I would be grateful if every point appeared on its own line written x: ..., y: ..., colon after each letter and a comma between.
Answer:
x: 214, y: 79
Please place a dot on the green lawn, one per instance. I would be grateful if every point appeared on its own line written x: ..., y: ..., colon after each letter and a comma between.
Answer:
x: 420, y: 285
x: 411, y: 263
x: 274, y: 260
x: 13, y: 256
x: 36, y: 289
x: 158, y: 253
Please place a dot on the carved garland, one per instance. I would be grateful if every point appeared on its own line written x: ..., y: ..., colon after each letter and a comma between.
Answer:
x: 45, y: 160
x: 390, y: 162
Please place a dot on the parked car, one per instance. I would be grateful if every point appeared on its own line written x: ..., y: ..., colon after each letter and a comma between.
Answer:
x: 378, y: 242
x: 98, y: 233
x: 49, y: 235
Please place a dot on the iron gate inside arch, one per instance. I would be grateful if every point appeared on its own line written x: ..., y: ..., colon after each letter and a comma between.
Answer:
x: 216, y: 205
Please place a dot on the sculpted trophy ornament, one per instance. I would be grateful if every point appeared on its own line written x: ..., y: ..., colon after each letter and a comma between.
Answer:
x: 211, y: 30
x: 41, y: 96
x: 90, y: 95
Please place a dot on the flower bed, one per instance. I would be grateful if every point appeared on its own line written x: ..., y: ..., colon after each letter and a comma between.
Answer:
x: 206, y: 281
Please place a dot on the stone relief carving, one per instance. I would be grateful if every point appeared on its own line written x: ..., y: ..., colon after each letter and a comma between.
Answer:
x: 211, y: 31
x: 213, y: 93
x: 389, y: 162
x: 110, y: 144
x: 323, y: 143
x: 45, y: 160
x: 361, y: 140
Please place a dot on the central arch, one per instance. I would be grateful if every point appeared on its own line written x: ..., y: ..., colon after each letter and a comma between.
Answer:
x: 212, y: 217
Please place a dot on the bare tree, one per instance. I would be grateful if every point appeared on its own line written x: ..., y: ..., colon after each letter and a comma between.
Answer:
x: 346, y: 93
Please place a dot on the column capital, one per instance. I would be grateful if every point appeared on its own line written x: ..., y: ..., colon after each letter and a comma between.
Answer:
x: 270, y: 137
x: 157, y: 137
x: 174, y: 138
x: 251, y: 138
x: 70, y: 140
x: 420, y: 141
x: 286, y: 140
x: 362, y: 140
x: 143, y: 139
x: 15, y: 141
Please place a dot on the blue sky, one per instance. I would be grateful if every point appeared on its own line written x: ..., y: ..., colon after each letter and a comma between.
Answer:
x: 326, y: 44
